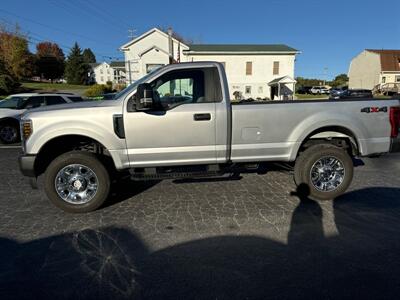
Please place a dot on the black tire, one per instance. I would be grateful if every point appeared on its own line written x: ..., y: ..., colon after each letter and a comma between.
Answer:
x: 13, y: 135
x: 86, y: 159
x: 305, y: 162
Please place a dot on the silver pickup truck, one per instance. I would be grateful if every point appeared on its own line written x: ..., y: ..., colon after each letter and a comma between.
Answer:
x: 178, y: 122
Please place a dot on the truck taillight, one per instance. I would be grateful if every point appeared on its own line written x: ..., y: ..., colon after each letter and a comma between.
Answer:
x: 395, y: 121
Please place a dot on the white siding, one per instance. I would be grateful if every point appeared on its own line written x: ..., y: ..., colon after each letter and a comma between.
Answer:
x: 364, y: 71
x: 262, y: 71
x: 138, y: 64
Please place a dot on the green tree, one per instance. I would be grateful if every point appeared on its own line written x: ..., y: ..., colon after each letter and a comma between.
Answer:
x: 76, y: 69
x: 88, y: 56
x: 340, y: 80
x: 50, y: 60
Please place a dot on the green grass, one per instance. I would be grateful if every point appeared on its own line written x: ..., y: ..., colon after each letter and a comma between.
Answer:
x: 52, y: 86
x: 310, y: 97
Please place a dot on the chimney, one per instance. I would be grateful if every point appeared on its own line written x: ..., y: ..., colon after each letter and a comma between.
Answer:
x: 171, y: 46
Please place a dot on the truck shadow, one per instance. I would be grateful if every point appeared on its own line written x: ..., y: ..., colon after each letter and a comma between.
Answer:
x: 361, y: 262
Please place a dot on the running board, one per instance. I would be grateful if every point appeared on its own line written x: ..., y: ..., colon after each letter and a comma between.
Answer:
x: 175, y: 173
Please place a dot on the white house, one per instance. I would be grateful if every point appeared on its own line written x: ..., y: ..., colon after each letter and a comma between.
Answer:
x: 102, y: 73
x: 253, y: 71
x: 375, y: 69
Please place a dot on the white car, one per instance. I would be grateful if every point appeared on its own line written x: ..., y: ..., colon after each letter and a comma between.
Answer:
x: 318, y: 90
x: 14, y: 106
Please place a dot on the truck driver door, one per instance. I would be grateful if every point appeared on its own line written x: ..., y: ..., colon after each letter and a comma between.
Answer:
x: 181, y: 127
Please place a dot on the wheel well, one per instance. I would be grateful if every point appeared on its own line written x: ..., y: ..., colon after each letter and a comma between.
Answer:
x: 9, y: 121
x: 339, y: 136
x: 67, y: 143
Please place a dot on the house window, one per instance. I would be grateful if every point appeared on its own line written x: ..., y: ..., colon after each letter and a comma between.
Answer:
x: 383, y: 79
x: 249, y: 68
x: 248, y: 89
x: 101, y: 71
x: 101, y: 78
x: 275, y: 71
x: 397, y: 78
x: 108, y: 78
x: 260, y: 90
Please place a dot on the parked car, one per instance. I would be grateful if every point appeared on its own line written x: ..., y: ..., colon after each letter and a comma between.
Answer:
x: 319, y: 90
x: 304, y: 90
x: 356, y: 93
x: 14, y: 106
x: 336, y: 92
x: 81, y: 147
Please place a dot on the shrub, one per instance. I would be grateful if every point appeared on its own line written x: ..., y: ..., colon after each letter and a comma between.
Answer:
x: 8, y: 85
x: 97, y: 90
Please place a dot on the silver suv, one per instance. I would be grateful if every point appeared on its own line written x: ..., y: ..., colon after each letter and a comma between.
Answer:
x: 14, y: 106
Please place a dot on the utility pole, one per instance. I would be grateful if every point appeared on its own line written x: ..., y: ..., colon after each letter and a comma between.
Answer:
x: 325, y: 75
x: 129, y: 70
x: 131, y: 36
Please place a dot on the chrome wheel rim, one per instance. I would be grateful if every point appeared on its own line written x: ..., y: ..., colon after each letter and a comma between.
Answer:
x: 76, y: 184
x: 327, y: 174
x: 8, y: 134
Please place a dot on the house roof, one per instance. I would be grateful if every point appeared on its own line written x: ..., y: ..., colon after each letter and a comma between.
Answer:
x: 390, y: 59
x: 94, y: 65
x: 284, y: 79
x: 117, y: 64
x: 151, y: 48
x: 235, y: 48
x: 147, y: 33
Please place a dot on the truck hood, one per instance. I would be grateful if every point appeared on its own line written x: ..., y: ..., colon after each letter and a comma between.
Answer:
x: 75, y: 105
x: 72, y: 110
x: 13, y: 113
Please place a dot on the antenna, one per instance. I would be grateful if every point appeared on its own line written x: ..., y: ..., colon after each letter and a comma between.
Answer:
x: 132, y: 33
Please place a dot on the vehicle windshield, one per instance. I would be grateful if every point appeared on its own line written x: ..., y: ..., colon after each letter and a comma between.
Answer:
x: 133, y: 86
x: 13, y: 102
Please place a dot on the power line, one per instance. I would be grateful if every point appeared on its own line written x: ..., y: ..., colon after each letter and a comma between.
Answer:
x: 107, y: 13
x: 102, y: 14
x: 54, y: 28
x: 40, y: 38
x: 71, y: 8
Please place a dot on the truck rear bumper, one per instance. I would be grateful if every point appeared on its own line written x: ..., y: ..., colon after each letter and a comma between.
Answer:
x: 27, y: 165
x: 395, y: 145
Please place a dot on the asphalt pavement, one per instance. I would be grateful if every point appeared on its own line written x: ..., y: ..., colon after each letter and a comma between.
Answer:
x: 250, y: 237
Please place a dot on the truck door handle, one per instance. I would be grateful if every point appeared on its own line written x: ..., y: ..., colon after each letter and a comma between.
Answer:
x: 202, y: 117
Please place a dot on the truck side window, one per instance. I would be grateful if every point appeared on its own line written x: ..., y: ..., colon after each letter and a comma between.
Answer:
x: 33, y: 102
x: 188, y: 86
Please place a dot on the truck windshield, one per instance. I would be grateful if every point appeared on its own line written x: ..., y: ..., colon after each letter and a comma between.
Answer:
x: 12, y: 102
x: 122, y: 94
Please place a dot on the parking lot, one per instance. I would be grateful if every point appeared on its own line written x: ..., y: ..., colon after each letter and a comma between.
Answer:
x: 245, y: 238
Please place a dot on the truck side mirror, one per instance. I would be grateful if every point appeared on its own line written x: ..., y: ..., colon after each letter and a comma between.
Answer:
x: 144, y: 97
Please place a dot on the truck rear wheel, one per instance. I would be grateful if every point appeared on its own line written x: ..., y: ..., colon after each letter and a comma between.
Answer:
x: 77, y: 182
x: 326, y: 169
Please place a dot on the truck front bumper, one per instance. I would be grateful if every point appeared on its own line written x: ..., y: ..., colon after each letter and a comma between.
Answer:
x: 27, y: 165
x: 395, y: 145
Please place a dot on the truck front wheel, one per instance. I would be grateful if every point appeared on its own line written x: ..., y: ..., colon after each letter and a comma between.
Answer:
x: 326, y: 169
x: 77, y: 182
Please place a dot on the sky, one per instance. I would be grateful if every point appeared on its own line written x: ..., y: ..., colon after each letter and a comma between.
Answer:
x: 328, y: 33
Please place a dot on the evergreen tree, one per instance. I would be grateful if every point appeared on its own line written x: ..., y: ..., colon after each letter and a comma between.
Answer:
x: 76, y: 69
x: 88, y: 56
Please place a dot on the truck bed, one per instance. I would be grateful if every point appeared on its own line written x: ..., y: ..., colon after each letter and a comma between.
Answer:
x: 274, y: 130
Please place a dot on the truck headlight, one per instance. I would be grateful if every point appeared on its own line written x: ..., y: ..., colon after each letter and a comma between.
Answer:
x: 26, y: 129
